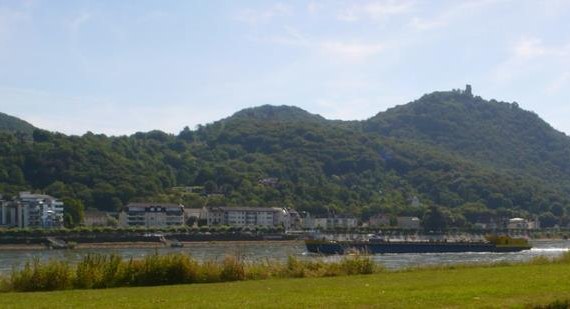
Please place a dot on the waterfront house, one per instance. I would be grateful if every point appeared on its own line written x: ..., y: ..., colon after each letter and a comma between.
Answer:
x: 194, y: 216
x: 379, y: 220
x: 248, y: 216
x: 10, y: 213
x: 32, y: 210
x: 522, y: 224
x: 152, y: 215
x: 401, y: 222
x: 331, y: 222
x: 96, y: 218
x: 408, y: 223
x: 295, y: 219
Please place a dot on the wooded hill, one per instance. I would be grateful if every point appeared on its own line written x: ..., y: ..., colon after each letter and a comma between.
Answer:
x: 476, y: 159
x: 14, y: 125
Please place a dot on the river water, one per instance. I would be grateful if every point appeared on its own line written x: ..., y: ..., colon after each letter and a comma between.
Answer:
x: 279, y: 251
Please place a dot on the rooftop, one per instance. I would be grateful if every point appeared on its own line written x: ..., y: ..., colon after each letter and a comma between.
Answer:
x: 225, y: 208
x: 164, y: 205
x: 28, y: 195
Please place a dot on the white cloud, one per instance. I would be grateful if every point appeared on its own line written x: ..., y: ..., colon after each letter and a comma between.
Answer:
x: 528, y: 48
x: 350, y: 50
x: 78, y: 21
x: 313, y: 7
x: 347, y: 50
x: 11, y: 20
x: 375, y: 11
x: 561, y: 83
x: 254, y: 16
x: 451, y: 14
x: 528, y: 54
x: 427, y: 24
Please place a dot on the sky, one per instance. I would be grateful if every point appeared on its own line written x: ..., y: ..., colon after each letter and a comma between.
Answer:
x: 119, y: 67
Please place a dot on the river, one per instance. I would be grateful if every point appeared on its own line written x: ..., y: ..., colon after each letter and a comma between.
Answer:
x: 280, y: 250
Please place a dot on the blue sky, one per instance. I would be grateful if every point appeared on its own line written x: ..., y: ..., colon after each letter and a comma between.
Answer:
x: 118, y: 67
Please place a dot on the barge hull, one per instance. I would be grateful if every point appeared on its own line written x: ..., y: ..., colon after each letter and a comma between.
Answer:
x: 380, y: 248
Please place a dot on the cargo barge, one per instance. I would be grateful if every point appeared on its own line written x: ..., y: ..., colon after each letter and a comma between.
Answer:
x: 381, y: 246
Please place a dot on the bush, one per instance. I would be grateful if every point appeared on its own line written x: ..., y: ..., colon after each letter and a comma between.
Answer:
x: 232, y: 269
x: 209, y: 272
x: 294, y: 268
x: 564, y: 258
x: 357, y: 265
x: 97, y: 271
x: 35, y: 276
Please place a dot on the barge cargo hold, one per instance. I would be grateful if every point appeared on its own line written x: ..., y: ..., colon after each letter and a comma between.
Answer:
x: 492, y: 244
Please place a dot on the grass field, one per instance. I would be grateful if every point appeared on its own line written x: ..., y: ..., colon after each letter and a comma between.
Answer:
x: 500, y: 286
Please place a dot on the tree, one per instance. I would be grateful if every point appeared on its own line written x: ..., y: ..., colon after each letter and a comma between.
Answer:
x: 74, y: 212
x: 434, y: 219
x: 57, y: 189
x: 547, y: 219
x: 210, y: 187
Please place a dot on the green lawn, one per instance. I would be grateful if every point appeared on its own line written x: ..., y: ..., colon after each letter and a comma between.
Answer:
x: 506, y: 286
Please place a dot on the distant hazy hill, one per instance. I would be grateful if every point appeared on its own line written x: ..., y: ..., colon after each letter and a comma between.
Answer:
x: 475, y: 158
x: 13, y: 124
x: 276, y: 113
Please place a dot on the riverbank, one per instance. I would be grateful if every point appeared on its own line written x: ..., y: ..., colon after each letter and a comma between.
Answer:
x: 496, y: 286
x: 136, y: 244
x: 156, y: 244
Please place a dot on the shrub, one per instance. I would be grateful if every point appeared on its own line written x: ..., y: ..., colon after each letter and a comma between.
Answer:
x: 209, y: 272
x: 357, y: 265
x: 180, y: 269
x: 564, y: 258
x: 103, y: 271
x: 36, y: 276
x: 97, y: 271
x: 232, y: 269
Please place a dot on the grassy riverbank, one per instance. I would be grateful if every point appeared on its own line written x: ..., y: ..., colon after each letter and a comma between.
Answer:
x: 497, y: 286
x: 98, y: 271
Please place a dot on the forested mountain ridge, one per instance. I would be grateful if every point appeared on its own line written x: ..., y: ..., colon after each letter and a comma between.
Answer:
x: 447, y: 148
x: 277, y: 113
x: 498, y: 134
x: 12, y: 124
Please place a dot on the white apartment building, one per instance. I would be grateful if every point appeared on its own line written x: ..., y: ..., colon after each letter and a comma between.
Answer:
x: 32, y: 210
x: 41, y: 210
x: 152, y: 215
x: 248, y: 216
x: 11, y: 214
x: 329, y: 223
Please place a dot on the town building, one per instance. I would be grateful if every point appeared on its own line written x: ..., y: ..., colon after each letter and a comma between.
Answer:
x: 295, y: 219
x: 379, y: 220
x: 522, y: 224
x: 408, y: 223
x: 97, y: 218
x: 41, y: 210
x: 151, y: 215
x: 330, y: 222
x: 10, y: 214
x: 32, y: 210
x: 195, y: 216
x: 401, y: 222
x: 248, y: 216
x: 486, y: 225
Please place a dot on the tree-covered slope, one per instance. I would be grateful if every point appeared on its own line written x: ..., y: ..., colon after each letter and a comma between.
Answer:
x: 12, y: 124
x: 472, y: 157
x: 497, y: 134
